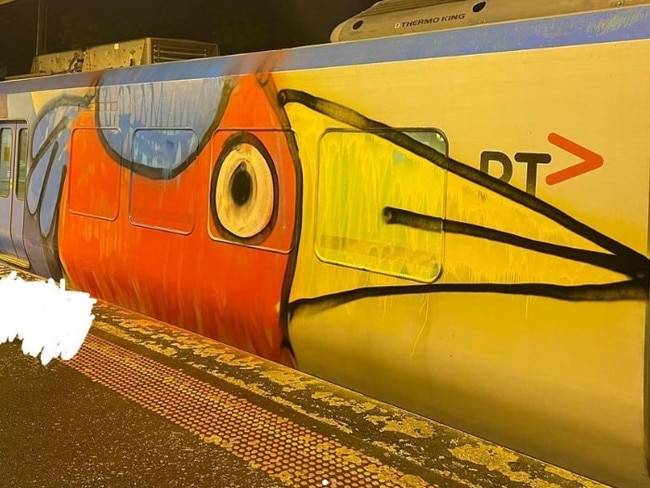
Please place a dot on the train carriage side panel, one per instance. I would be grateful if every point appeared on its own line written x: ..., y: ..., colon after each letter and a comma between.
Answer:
x: 534, y: 333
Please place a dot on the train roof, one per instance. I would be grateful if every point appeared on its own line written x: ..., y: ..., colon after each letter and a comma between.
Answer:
x: 397, y: 17
x: 608, y: 25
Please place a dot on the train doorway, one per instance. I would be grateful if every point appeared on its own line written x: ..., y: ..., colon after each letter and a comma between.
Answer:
x: 13, y: 177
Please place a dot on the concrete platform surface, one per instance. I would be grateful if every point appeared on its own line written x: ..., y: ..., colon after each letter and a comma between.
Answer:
x: 145, y: 404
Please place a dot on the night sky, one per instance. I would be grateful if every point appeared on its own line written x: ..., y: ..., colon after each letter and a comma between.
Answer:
x: 236, y: 25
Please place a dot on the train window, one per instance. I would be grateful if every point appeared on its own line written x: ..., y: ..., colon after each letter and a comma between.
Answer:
x: 244, y: 189
x: 252, y: 189
x: 163, y: 179
x: 373, y: 196
x: 6, y: 140
x: 94, y: 177
x: 22, y: 164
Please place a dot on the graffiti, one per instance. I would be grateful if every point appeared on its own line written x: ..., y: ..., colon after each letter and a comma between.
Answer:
x: 314, y: 217
x: 196, y: 105
x: 50, y: 157
x: 244, y: 190
x: 622, y: 258
x: 154, y: 153
x: 164, y: 153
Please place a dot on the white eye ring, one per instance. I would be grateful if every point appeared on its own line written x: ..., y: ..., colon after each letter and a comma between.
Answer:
x: 244, y: 195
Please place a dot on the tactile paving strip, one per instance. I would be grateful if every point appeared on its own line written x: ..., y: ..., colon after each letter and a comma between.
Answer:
x: 276, y: 445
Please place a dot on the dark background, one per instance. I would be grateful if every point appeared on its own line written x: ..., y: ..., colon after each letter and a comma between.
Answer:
x: 236, y: 25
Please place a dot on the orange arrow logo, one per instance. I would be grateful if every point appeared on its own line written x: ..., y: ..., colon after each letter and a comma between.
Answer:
x: 591, y: 160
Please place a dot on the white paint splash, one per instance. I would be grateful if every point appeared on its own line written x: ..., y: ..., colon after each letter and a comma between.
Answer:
x: 48, y: 319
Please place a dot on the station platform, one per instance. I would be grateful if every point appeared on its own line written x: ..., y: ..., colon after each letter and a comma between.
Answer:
x: 145, y: 404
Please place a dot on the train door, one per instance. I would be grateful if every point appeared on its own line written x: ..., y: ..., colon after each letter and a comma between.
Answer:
x: 13, y: 175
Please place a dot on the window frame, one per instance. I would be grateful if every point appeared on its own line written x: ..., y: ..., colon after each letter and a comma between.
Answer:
x: 4, y: 127
x: 21, y: 129
x: 139, y: 170
x: 337, y: 239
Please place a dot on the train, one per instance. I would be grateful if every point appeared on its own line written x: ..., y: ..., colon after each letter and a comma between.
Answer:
x: 455, y: 221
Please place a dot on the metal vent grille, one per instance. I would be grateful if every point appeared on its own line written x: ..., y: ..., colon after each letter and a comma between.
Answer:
x: 163, y: 50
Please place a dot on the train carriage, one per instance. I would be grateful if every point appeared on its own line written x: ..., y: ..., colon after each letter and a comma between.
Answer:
x: 452, y: 221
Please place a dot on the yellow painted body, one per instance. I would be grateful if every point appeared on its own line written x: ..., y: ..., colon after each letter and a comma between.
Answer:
x: 559, y: 379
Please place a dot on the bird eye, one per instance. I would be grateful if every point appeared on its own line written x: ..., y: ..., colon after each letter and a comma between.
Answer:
x: 243, y: 188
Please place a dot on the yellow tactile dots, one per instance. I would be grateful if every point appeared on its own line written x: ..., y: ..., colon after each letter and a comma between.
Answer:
x: 292, y: 453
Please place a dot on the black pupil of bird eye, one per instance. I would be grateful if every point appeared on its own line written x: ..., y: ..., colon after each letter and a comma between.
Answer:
x: 241, y: 185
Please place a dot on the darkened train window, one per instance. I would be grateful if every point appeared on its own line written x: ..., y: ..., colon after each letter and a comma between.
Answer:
x: 22, y: 164
x: 6, y: 139
x: 163, y: 180
x: 94, y: 176
x: 373, y: 196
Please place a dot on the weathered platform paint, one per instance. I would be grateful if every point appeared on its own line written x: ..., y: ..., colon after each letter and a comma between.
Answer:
x: 261, y: 423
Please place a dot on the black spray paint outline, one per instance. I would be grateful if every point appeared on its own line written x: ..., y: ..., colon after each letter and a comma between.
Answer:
x: 623, y: 259
x: 161, y: 173
x: 52, y: 143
